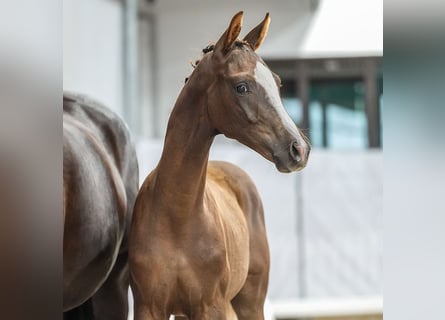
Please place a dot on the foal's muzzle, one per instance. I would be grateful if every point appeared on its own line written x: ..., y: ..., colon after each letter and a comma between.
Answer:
x: 293, y: 158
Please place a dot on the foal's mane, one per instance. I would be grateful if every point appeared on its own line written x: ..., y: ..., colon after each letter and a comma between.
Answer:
x: 210, y: 47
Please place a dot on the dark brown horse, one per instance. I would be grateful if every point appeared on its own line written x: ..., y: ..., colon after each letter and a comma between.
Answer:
x: 198, y: 246
x: 100, y: 183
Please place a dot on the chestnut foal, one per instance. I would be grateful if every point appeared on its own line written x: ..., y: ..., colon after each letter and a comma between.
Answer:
x: 198, y: 246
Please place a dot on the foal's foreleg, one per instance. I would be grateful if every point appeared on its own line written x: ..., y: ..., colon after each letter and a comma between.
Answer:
x: 215, y: 312
x: 142, y: 312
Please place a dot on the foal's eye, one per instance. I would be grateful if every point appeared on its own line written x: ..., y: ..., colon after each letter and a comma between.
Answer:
x: 242, y: 88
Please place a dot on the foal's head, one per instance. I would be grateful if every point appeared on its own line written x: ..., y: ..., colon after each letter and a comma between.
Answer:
x: 244, y: 101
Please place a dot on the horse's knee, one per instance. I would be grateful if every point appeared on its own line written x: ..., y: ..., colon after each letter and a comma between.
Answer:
x: 223, y: 311
x: 145, y: 313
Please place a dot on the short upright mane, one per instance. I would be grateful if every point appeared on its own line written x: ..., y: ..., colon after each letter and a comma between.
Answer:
x: 210, y: 47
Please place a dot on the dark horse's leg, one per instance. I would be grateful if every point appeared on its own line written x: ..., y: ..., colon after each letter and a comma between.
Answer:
x: 110, y: 302
x: 82, y: 312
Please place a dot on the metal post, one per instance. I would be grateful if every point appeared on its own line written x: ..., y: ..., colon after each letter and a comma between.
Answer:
x: 324, y: 123
x: 130, y: 64
x: 156, y: 122
x: 301, y: 244
x: 303, y: 94
x: 371, y: 104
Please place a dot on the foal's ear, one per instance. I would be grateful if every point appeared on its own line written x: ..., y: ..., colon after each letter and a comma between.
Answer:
x: 256, y: 37
x: 231, y: 34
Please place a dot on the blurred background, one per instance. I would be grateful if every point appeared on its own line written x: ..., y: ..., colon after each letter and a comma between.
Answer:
x: 325, y: 223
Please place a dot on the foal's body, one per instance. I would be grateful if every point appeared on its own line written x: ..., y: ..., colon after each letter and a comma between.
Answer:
x: 198, y: 246
x: 204, y: 236
x: 100, y: 183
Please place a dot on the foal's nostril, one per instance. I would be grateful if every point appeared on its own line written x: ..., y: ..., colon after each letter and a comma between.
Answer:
x: 296, y: 151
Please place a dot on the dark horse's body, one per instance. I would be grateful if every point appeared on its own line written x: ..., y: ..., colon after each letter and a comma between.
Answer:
x: 100, y: 183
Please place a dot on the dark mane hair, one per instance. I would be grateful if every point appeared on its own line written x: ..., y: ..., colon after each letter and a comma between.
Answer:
x: 210, y: 47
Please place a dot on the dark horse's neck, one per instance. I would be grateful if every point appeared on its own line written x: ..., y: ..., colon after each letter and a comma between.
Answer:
x: 181, y: 172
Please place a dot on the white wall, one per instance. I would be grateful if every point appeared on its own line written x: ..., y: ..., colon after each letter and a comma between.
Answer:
x: 92, y: 50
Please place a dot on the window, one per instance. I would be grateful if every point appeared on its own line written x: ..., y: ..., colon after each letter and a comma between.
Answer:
x: 337, y: 117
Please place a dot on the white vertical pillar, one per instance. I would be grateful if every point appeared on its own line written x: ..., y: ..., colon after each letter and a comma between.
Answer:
x: 130, y: 65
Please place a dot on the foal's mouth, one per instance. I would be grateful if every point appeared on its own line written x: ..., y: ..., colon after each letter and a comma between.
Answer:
x: 288, y: 166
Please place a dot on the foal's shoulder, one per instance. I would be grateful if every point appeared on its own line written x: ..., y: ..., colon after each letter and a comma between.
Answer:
x: 231, y: 177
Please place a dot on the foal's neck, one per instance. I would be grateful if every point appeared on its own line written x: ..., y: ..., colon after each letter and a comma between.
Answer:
x: 181, y: 172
